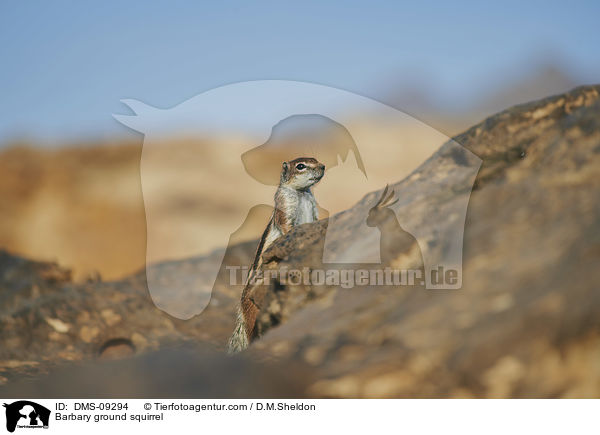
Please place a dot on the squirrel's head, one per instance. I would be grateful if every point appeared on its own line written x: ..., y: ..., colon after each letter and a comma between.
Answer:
x: 301, y: 173
x: 380, y: 211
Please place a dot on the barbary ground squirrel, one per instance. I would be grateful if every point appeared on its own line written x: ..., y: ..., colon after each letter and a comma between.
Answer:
x: 294, y: 205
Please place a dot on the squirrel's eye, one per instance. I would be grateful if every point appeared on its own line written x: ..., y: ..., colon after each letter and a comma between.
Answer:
x: 300, y: 166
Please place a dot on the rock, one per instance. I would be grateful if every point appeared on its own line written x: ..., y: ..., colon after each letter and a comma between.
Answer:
x: 172, y: 372
x: 526, y: 322
x: 48, y: 319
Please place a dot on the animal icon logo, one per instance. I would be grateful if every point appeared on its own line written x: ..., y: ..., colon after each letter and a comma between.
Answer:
x: 26, y: 414
x: 244, y: 121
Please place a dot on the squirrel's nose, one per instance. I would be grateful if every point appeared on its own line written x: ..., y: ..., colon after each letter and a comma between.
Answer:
x: 322, y: 166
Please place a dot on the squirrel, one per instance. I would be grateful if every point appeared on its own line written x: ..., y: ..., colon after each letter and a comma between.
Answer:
x: 294, y: 205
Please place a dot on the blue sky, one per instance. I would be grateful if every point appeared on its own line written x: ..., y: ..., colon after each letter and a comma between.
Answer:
x: 66, y: 65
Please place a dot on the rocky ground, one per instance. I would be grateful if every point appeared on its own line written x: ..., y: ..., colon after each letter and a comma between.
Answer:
x: 526, y: 322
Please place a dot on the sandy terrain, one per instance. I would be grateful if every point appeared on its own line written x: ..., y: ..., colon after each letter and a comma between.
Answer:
x: 82, y: 205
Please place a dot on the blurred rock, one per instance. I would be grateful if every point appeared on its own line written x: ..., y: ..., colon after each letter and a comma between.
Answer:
x: 46, y: 319
x: 526, y: 322
x: 172, y: 372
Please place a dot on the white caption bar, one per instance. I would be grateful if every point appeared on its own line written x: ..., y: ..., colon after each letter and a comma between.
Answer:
x: 157, y: 416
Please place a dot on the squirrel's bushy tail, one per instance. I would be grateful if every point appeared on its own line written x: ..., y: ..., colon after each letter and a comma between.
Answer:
x: 239, y: 339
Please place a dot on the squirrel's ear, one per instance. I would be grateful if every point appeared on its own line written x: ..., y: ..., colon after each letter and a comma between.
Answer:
x: 284, y: 171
